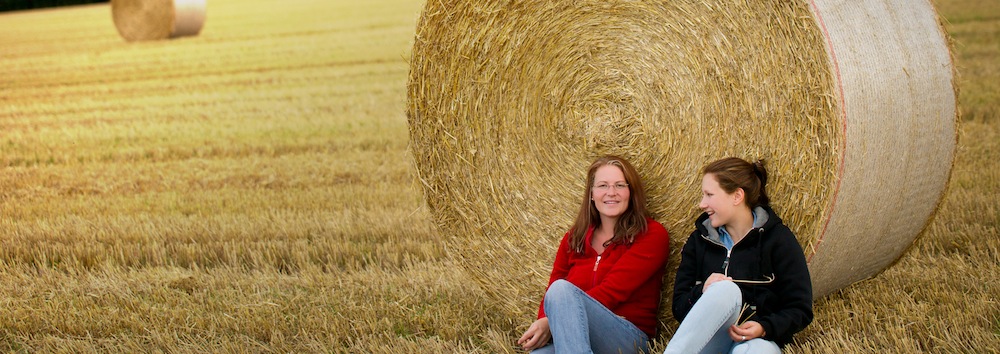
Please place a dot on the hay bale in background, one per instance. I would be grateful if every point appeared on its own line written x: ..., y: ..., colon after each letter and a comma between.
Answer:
x: 509, y: 102
x: 896, y: 92
x: 139, y: 20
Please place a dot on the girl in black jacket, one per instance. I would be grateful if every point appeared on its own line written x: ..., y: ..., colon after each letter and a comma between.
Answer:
x: 743, y: 284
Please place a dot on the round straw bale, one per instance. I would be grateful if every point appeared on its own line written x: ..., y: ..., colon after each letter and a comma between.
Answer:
x: 139, y: 20
x: 852, y: 107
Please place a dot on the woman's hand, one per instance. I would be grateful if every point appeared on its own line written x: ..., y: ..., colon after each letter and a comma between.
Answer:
x: 747, y: 331
x: 714, y: 278
x: 536, y: 336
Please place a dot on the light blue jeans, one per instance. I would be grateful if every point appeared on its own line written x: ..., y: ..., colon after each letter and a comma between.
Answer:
x: 580, y: 324
x: 706, y: 328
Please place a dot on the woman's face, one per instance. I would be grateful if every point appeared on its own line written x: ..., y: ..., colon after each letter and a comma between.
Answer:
x: 719, y: 205
x: 610, y: 191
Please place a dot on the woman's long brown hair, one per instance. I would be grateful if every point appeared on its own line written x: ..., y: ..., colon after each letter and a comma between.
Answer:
x: 631, y: 223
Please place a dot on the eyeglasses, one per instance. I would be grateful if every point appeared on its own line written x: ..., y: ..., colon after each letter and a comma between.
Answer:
x: 604, y: 187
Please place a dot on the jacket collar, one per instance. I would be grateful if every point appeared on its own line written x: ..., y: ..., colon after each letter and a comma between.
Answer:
x: 764, y: 219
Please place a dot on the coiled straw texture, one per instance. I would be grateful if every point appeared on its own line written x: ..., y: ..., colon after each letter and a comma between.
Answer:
x: 509, y: 101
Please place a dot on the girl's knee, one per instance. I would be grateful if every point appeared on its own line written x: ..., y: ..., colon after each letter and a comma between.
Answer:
x: 725, y: 293
x: 726, y: 286
x: 755, y: 346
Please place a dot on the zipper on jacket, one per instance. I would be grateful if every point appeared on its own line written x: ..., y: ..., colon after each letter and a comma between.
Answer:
x: 725, y: 264
x: 729, y: 251
x: 594, y: 281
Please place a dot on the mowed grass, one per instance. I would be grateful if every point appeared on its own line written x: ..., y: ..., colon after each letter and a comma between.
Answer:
x: 251, y: 190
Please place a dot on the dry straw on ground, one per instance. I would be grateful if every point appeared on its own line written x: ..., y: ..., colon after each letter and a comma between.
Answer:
x: 508, y: 101
x: 257, y: 195
x: 139, y: 20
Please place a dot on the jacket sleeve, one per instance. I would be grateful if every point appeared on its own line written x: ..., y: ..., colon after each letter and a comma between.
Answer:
x: 794, y: 290
x: 646, y: 257
x: 560, y: 268
x: 687, y: 286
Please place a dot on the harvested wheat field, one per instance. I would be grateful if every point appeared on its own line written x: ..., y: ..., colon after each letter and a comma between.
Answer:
x: 253, y: 189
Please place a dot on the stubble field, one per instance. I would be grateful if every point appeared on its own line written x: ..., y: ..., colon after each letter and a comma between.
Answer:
x: 251, y: 190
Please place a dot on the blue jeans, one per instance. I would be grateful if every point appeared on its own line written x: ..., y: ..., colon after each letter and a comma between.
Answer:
x: 580, y: 324
x: 706, y: 328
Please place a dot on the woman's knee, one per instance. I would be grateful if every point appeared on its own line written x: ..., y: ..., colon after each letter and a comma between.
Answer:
x: 560, y: 289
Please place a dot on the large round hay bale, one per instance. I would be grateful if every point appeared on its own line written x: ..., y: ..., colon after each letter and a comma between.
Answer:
x: 852, y: 105
x: 141, y: 20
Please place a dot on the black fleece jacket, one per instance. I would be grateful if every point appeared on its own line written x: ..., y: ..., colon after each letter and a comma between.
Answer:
x: 782, y: 306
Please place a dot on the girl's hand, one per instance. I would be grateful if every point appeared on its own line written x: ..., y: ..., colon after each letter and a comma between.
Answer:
x: 536, y: 336
x: 747, y: 331
x: 714, y: 278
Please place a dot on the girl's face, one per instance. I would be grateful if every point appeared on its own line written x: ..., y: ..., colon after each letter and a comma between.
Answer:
x: 610, y: 191
x: 719, y: 205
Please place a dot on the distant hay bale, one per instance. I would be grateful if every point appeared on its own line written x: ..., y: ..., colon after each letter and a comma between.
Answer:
x: 140, y: 20
x: 853, y: 108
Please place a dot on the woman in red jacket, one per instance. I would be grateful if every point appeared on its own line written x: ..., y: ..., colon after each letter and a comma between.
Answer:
x: 604, y: 291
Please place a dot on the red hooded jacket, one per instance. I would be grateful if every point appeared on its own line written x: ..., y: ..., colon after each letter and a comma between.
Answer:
x: 625, y: 278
